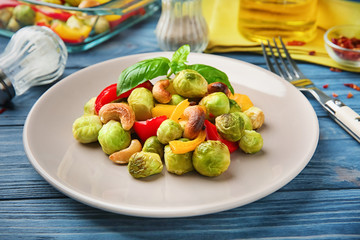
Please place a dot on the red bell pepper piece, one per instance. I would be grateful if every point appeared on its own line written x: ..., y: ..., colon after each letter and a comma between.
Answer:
x: 148, y: 128
x: 114, y: 23
x: 43, y: 24
x: 109, y: 95
x: 212, y: 134
x: 54, y: 13
x: 8, y: 3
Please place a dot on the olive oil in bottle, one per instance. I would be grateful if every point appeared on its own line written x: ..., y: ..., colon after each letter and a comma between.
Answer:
x: 290, y: 19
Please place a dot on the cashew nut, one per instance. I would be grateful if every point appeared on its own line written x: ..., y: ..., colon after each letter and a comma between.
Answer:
x: 118, y: 111
x: 195, y: 123
x: 256, y: 116
x: 123, y: 156
x: 160, y: 93
x: 218, y: 87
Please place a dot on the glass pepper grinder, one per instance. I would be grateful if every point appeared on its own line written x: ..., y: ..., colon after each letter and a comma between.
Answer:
x: 181, y: 22
x: 34, y: 56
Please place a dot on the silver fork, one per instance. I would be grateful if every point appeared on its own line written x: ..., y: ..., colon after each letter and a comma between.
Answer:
x: 287, y: 69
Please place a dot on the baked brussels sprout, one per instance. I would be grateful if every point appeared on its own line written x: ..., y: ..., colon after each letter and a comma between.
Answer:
x: 112, y: 137
x: 89, y: 108
x: 144, y: 164
x: 169, y: 130
x: 176, y: 99
x: 178, y: 163
x: 247, y: 120
x: 85, y: 129
x: 24, y: 15
x: 5, y: 16
x: 216, y: 104
x: 234, y: 107
x: 190, y: 84
x: 211, y: 158
x: 230, y: 126
x: 141, y: 101
x: 75, y: 22
x: 152, y: 144
x: 74, y: 3
x: 13, y: 25
x: 251, y: 142
x: 256, y: 116
x: 101, y: 25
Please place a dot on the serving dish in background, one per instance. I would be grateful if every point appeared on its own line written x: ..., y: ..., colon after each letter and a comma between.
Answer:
x: 80, y: 28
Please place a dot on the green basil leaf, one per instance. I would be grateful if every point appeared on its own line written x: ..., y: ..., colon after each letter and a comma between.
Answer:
x: 212, y: 74
x: 141, y: 72
x: 179, y: 59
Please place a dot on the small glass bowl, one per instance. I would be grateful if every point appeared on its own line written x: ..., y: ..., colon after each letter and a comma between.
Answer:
x: 119, y: 14
x: 344, y: 56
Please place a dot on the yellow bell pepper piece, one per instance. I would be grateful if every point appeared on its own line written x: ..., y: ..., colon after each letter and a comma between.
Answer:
x: 242, y: 100
x: 179, y: 110
x: 42, y: 18
x: 103, y: 1
x: 53, y: 1
x: 77, y: 2
x: 179, y: 147
x: 111, y: 18
x: 71, y: 35
x: 162, y: 109
x: 203, y: 108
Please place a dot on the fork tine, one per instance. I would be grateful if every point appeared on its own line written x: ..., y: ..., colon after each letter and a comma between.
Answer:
x: 267, y: 59
x: 293, y: 73
x: 288, y: 72
x: 297, y: 71
x: 278, y: 69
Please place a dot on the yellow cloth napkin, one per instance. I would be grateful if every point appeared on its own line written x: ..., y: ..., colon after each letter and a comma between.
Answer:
x: 222, y: 19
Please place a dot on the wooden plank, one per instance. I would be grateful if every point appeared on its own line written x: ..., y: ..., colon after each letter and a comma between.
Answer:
x: 283, y: 215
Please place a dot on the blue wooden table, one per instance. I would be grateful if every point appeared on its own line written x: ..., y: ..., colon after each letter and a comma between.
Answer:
x: 322, y: 202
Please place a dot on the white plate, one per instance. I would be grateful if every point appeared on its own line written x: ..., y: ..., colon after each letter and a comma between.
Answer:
x: 85, y: 173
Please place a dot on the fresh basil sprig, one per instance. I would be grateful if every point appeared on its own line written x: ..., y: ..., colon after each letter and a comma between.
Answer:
x: 141, y: 72
x: 151, y: 68
x: 212, y: 74
x: 179, y: 59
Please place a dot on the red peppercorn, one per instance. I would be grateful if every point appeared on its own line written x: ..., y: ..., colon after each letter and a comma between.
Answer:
x: 312, y: 53
x: 353, y: 86
x: 296, y: 43
x: 335, y: 69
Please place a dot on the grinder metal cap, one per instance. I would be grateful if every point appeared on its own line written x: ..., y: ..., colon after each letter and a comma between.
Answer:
x: 7, y: 91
